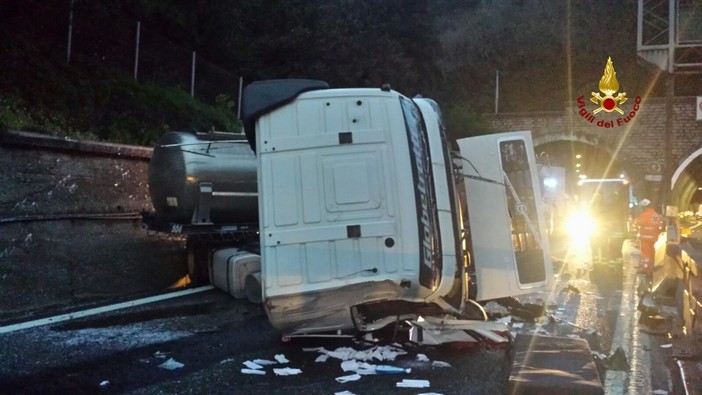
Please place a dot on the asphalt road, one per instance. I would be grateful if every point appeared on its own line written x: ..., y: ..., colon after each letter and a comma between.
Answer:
x: 212, y: 335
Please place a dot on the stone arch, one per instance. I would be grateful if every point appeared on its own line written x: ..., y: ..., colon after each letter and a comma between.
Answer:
x: 553, y: 137
x: 683, y: 165
x: 685, y: 181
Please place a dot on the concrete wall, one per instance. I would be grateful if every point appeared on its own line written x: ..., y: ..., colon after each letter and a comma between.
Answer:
x: 70, y: 229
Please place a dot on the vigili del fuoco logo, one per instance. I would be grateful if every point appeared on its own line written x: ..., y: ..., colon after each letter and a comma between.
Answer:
x: 606, y: 101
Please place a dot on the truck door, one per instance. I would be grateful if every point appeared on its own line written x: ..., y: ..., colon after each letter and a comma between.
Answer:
x: 509, y: 243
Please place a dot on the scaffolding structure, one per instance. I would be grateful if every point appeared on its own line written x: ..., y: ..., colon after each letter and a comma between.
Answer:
x: 669, y: 34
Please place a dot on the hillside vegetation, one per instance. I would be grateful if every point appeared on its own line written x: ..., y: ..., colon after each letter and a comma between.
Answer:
x: 547, y: 53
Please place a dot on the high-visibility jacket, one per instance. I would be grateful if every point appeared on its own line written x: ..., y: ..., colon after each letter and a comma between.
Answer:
x: 649, y: 223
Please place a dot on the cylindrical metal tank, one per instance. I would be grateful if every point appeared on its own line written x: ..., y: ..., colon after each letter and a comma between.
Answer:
x: 183, y: 162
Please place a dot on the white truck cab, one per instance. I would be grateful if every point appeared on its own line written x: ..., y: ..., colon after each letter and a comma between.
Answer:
x: 362, y: 209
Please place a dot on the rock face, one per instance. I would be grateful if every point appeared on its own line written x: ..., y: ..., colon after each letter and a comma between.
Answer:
x: 70, y: 229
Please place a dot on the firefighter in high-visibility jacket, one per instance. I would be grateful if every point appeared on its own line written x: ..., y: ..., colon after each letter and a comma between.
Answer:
x: 649, y: 223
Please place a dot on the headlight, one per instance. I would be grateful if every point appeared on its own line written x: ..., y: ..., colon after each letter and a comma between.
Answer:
x: 580, y: 225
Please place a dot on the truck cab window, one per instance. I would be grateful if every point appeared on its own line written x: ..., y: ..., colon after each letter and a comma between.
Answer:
x: 521, y: 203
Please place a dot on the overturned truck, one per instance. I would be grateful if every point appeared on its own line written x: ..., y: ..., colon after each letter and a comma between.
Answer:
x: 364, y: 213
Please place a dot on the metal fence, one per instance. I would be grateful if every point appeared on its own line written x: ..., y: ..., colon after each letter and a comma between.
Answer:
x: 78, y: 29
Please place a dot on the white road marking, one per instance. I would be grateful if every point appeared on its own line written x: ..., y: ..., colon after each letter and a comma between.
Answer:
x: 103, y: 309
x: 626, y: 335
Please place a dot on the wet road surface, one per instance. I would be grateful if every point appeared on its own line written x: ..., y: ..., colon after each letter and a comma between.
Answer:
x: 212, y: 335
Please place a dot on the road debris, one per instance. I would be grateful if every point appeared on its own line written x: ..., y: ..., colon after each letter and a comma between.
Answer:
x: 410, y: 383
x: 617, y: 361
x: 281, y: 358
x: 422, y: 358
x: 350, y: 365
x: 171, y: 364
x: 252, y: 365
x: 253, y: 371
x: 264, y: 362
x: 346, y: 379
x: 571, y: 290
x: 286, y: 371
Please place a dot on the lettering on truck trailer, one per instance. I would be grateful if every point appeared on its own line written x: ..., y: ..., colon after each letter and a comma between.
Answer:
x: 430, y: 247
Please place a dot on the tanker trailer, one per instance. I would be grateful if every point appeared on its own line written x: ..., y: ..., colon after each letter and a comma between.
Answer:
x: 203, y: 186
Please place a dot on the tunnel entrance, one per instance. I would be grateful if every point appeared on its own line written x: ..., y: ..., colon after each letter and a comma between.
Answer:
x: 686, y: 193
x: 588, y: 200
x: 580, y: 161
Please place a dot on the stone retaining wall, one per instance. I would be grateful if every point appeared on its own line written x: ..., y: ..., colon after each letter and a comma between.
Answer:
x: 70, y: 229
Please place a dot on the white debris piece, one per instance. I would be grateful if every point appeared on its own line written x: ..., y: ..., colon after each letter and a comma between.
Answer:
x: 351, y: 377
x: 344, y: 393
x: 504, y: 320
x: 440, y: 364
x: 159, y: 354
x: 666, y: 345
x: 253, y: 371
x: 362, y: 355
x: 660, y: 392
x: 409, y: 383
x: 281, y: 358
x: 350, y: 365
x: 286, y: 371
x: 322, y: 358
x: 361, y: 368
x: 171, y: 364
x: 264, y: 362
x: 104, y: 383
x: 599, y: 355
x: 517, y: 325
x: 422, y: 358
x: 389, y: 354
x: 252, y: 365
x: 342, y: 353
x: 365, y: 365
x: 226, y: 360
x: 314, y: 349
x: 377, y: 354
